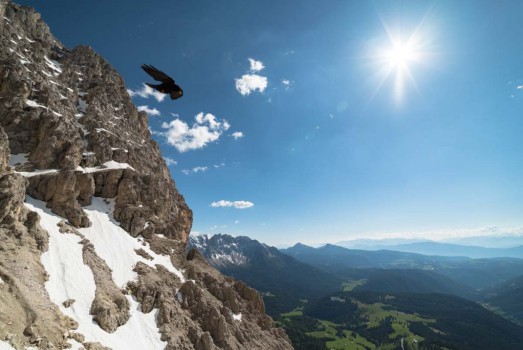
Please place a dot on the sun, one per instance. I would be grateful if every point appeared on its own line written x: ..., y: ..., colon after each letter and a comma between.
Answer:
x: 397, y: 57
x: 401, y: 55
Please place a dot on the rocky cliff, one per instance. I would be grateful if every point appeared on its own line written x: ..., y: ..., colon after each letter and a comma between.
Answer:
x: 92, y: 228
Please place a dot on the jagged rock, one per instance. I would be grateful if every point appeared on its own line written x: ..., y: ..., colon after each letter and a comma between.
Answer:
x: 4, y: 151
x: 77, y: 336
x: 73, y: 131
x: 110, y: 307
x: 95, y: 346
x: 68, y: 303
x: 143, y: 254
x: 61, y: 191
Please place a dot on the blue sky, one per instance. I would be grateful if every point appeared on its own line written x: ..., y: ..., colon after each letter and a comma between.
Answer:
x: 326, y: 146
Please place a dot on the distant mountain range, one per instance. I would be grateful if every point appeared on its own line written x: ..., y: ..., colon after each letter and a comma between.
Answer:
x: 351, y: 264
x: 283, y: 281
x: 444, y: 249
x: 334, y: 295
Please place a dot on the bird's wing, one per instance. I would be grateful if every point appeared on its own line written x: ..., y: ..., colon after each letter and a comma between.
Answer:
x: 157, y: 74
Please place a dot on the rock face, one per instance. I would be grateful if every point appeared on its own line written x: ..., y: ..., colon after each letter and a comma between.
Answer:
x: 69, y: 133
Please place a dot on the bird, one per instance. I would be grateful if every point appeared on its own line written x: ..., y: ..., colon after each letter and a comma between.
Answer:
x: 167, y: 86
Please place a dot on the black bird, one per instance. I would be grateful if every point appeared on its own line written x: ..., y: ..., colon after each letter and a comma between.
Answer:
x: 167, y: 86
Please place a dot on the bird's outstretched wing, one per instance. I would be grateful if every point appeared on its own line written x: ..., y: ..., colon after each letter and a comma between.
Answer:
x: 157, y: 74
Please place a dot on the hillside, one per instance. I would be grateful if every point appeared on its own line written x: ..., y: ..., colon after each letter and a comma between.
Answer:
x: 283, y: 281
x: 401, y: 320
x: 331, y: 258
x: 414, y: 281
x: 507, y: 299
x: 92, y: 227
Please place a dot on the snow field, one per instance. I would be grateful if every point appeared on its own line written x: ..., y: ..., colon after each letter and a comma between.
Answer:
x: 69, y: 278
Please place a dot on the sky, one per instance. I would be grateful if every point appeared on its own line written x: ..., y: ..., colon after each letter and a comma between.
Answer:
x: 307, y: 121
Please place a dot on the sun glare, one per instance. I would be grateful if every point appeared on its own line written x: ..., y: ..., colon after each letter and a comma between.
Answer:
x: 401, y: 54
x: 397, y: 57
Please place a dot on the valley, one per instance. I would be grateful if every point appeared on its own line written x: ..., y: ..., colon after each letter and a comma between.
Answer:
x: 337, y: 298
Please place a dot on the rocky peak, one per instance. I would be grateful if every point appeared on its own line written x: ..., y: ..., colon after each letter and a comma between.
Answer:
x: 76, y: 161
x: 222, y: 250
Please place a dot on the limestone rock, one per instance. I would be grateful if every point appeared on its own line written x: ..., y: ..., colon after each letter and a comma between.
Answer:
x: 68, y: 112
x: 110, y: 307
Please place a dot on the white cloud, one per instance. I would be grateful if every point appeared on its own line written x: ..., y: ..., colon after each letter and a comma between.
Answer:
x: 251, y: 82
x: 195, y: 170
x: 185, y: 138
x: 236, y: 221
x: 236, y: 204
x: 519, y: 87
x: 256, y: 66
x: 148, y: 110
x: 170, y: 161
x: 287, y: 83
x: 219, y: 165
x: 146, y: 92
x: 237, y: 135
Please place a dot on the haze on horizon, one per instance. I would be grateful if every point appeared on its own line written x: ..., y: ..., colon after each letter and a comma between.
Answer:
x: 321, y: 122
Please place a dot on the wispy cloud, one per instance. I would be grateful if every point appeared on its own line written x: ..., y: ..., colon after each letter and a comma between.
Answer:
x: 150, y: 111
x: 236, y: 204
x: 251, y: 82
x: 146, y: 92
x: 256, y: 66
x: 287, y: 84
x: 206, y: 129
x: 237, y: 135
x: 198, y: 169
x: 519, y: 87
x: 170, y: 161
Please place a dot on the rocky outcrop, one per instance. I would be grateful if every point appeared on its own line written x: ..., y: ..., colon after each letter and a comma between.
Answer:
x: 73, y: 134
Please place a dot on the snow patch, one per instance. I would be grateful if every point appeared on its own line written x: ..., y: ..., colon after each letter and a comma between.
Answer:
x: 34, y: 104
x: 116, y: 246
x: 110, y: 165
x: 69, y: 278
x: 37, y: 172
x: 54, y: 65
x: 18, y: 159
x: 3, y: 344
x: 237, y: 317
x: 82, y: 105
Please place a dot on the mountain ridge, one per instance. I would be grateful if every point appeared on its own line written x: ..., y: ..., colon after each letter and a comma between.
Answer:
x: 92, y: 227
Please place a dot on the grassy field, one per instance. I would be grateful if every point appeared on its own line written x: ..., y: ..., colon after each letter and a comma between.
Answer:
x: 372, y: 317
x: 350, y: 285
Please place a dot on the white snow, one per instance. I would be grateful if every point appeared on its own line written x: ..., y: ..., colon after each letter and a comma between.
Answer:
x: 5, y: 345
x: 75, y: 345
x: 37, y: 172
x: 57, y: 67
x: 82, y: 105
x: 1, y: 280
x: 237, y: 317
x: 47, y: 73
x: 31, y: 41
x: 69, y: 278
x: 34, y: 104
x: 110, y: 165
x: 116, y: 246
x: 20, y: 158
x: 14, y: 42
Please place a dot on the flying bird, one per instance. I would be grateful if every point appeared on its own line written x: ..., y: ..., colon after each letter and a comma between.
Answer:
x: 167, y: 86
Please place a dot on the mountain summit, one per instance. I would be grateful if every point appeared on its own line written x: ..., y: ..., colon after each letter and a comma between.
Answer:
x: 92, y: 228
